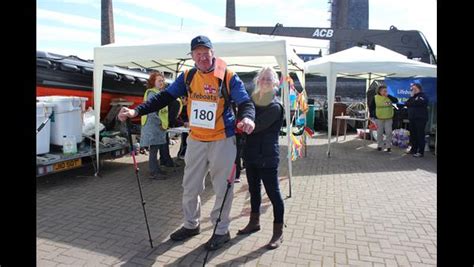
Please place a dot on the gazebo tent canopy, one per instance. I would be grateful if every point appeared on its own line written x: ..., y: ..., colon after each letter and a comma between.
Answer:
x: 357, y: 62
x: 243, y: 52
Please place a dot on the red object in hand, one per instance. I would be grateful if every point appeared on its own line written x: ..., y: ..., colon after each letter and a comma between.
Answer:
x: 238, y: 130
x: 373, y: 126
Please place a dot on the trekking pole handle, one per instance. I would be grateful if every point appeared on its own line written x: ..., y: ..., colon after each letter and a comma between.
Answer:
x: 231, y: 177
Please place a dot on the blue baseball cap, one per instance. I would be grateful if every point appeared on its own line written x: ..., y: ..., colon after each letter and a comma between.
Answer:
x: 200, y: 40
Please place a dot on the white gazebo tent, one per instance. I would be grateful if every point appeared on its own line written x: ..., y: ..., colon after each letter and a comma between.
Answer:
x: 243, y: 52
x: 357, y: 62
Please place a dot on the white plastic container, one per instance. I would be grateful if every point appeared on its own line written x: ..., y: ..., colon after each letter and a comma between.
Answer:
x: 69, y: 145
x: 43, y: 110
x: 67, y: 117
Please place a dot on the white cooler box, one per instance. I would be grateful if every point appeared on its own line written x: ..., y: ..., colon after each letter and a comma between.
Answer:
x: 67, y: 118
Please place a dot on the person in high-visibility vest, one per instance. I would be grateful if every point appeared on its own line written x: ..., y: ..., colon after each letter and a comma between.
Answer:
x: 381, y: 109
x: 152, y: 134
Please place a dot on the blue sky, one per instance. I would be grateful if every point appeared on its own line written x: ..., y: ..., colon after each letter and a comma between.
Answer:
x: 72, y: 27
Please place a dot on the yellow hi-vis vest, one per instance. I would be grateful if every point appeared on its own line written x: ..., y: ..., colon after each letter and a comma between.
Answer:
x: 162, y: 113
x: 145, y: 98
x: 383, y: 107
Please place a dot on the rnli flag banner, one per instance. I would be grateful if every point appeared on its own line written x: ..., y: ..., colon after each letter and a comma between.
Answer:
x: 400, y: 88
x: 219, y: 68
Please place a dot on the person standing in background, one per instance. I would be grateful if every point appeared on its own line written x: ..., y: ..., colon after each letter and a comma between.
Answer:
x: 381, y: 109
x: 417, y: 106
x: 152, y: 135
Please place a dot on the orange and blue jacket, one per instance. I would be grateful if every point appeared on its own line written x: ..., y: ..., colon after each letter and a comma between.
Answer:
x: 204, y: 87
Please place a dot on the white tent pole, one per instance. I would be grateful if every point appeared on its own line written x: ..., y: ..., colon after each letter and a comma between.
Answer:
x: 331, y: 92
x: 366, y: 123
x: 98, y: 69
x: 286, y: 88
x: 283, y: 62
x: 301, y: 78
x: 369, y: 81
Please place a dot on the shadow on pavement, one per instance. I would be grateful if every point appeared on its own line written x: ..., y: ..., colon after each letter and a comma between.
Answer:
x: 104, y: 214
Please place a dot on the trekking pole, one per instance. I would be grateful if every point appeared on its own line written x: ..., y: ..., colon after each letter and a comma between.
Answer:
x: 230, y: 180
x: 132, y: 152
x: 44, y: 123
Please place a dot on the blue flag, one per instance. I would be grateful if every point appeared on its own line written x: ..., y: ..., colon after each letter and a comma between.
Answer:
x: 400, y: 88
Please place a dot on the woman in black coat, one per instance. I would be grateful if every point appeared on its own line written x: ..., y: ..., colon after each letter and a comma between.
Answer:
x: 417, y: 106
x: 261, y: 155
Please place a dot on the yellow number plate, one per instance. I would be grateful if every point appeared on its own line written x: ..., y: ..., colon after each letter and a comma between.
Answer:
x: 73, y: 163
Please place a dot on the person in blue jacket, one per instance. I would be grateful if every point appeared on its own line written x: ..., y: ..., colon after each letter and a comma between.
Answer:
x: 417, y: 106
x: 211, y: 144
x: 261, y: 155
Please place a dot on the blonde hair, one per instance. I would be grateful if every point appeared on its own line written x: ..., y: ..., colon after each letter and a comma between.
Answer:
x: 261, y: 72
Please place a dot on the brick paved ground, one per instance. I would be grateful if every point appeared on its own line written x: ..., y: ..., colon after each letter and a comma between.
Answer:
x: 358, y: 208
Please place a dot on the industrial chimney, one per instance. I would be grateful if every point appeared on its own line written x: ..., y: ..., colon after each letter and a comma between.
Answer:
x: 230, y: 13
x: 107, y: 23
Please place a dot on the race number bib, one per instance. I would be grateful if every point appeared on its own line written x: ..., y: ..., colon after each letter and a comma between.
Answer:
x: 203, y: 114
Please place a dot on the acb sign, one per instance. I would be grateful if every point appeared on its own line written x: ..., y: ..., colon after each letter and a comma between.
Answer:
x: 323, y: 33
